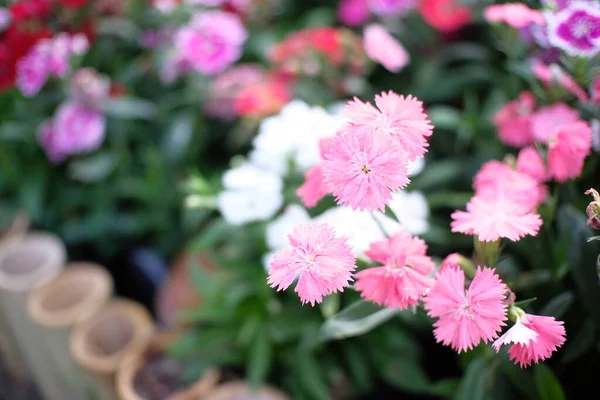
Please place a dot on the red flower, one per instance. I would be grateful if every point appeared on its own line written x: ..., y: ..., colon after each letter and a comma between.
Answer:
x: 76, y: 4
x: 30, y: 9
x: 445, y: 15
x: 262, y: 99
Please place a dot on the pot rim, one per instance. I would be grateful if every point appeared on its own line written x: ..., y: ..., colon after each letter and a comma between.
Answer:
x: 93, y: 279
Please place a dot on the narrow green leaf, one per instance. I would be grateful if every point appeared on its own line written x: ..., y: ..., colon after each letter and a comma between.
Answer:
x: 473, y: 384
x: 583, y: 341
x: 559, y: 305
x: 260, y: 359
x: 356, y: 319
x: 92, y: 169
x: 547, y: 383
x: 130, y: 108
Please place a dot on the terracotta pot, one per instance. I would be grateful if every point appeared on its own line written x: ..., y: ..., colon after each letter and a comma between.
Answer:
x: 179, y: 293
x: 100, y: 344
x: 240, y: 390
x: 132, y: 364
x: 28, y: 262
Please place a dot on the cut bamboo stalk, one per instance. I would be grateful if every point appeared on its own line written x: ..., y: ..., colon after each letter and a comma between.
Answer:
x: 240, y: 390
x: 100, y: 343
x: 74, y: 296
x: 11, y: 235
x: 36, y: 260
x: 132, y: 364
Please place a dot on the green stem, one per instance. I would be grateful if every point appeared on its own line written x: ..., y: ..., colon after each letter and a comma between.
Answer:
x: 487, y: 252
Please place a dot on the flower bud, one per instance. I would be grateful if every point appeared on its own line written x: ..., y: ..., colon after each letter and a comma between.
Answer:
x: 593, y: 210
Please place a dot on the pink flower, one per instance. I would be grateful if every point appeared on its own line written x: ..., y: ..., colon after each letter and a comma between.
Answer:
x: 391, y: 7
x: 212, y: 41
x: 595, y: 90
x: 492, y: 219
x: 553, y: 74
x: 530, y: 162
x: 75, y: 129
x: 546, y: 119
x: 322, y: 262
x: 453, y: 259
x: 534, y: 338
x: 513, y: 121
x: 517, y: 15
x: 496, y: 179
x: 207, y: 2
x: 404, y: 277
x: 383, y: 48
x: 363, y: 168
x: 88, y: 87
x: 353, y: 12
x: 314, y: 188
x: 399, y: 116
x: 567, y: 150
x: 445, y: 15
x: 466, y: 317
x: 576, y: 29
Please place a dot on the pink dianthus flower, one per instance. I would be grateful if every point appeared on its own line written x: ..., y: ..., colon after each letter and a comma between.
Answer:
x: 513, y: 121
x: 353, y: 12
x: 404, y: 276
x: 211, y: 41
x: 534, y: 338
x: 402, y: 117
x: 466, y: 317
x: 383, y: 48
x: 314, y: 188
x: 517, y: 15
x: 322, y: 262
x: 496, y: 179
x: 546, y: 119
x: 492, y: 219
x: 530, y: 162
x: 567, y: 150
x: 362, y: 169
x: 553, y: 74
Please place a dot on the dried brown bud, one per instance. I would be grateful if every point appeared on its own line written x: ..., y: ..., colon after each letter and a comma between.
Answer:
x: 593, y: 210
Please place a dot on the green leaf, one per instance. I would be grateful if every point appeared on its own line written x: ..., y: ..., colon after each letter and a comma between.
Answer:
x: 310, y: 377
x: 260, y: 359
x: 547, y: 384
x: 130, y: 108
x: 473, y: 384
x: 354, y: 320
x: 92, y: 169
x: 559, y: 305
x: 583, y: 341
x: 444, y: 117
x: 178, y: 136
x: 582, y: 257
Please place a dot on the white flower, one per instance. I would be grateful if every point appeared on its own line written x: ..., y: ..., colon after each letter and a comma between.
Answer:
x: 518, y: 333
x: 411, y: 210
x: 250, y: 194
x: 416, y: 167
x: 360, y: 227
x: 293, y: 136
x: 278, y: 230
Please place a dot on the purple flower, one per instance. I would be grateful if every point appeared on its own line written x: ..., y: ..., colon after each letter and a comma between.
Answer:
x: 88, y: 87
x: 353, y: 12
x: 391, y: 7
x: 211, y: 41
x: 75, y: 129
x: 576, y: 29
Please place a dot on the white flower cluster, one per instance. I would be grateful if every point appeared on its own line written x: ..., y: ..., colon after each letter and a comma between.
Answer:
x: 291, y: 138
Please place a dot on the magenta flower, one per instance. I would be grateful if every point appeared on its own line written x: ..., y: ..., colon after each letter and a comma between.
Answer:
x: 363, y: 168
x: 496, y: 179
x: 530, y: 162
x: 322, y: 262
x: 211, y: 41
x: 534, y: 338
x: 576, y: 29
x: 383, y: 48
x: 517, y: 15
x: 567, y: 150
x: 546, y: 119
x: 466, y: 317
x: 75, y: 129
x: 402, y: 117
x: 353, y: 12
x: 404, y: 276
x: 314, y: 188
x: 493, y: 219
x: 391, y: 7
x: 513, y: 121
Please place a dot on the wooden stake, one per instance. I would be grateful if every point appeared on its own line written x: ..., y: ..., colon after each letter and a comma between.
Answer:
x: 73, y: 297
x: 36, y: 260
